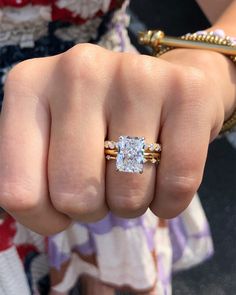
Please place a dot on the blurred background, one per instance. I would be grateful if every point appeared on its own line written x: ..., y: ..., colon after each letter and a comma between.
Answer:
x: 218, y: 191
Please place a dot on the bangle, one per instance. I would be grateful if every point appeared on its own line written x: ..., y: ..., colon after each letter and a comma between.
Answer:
x: 215, y: 41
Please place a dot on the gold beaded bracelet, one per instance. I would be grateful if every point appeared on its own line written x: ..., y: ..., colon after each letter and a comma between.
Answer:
x: 215, y: 41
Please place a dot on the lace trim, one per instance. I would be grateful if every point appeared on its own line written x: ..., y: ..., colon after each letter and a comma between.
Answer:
x: 21, y: 3
x: 28, y: 14
x: 23, y: 26
x: 84, y: 8
x: 24, y: 35
x: 79, y: 34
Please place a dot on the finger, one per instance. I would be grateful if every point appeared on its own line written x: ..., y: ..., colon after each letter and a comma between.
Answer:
x: 24, y: 134
x: 185, y: 137
x: 76, y: 158
x: 134, y: 114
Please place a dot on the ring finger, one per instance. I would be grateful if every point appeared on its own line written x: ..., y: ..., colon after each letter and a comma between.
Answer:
x: 129, y: 194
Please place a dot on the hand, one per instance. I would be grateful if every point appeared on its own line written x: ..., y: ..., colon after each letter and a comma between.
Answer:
x: 58, y: 111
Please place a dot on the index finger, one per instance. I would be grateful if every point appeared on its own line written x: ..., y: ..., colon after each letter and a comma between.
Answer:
x: 24, y: 139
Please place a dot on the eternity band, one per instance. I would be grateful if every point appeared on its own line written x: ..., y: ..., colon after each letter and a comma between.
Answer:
x: 131, y: 153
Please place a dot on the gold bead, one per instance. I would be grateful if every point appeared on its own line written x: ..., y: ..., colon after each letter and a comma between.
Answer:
x: 212, y: 39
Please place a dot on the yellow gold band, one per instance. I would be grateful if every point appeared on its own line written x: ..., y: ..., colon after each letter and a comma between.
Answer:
x: 152, y: 151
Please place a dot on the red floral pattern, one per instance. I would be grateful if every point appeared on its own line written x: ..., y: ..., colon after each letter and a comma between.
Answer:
x: 7, y: 232
x: 57, y: 13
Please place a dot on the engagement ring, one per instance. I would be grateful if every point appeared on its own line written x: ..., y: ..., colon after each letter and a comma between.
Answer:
x: 131, y: 153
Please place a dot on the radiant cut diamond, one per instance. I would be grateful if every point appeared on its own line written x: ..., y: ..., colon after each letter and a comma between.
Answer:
x: 130, y: 156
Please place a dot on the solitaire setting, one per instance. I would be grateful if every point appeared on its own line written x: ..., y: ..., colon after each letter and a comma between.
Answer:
x: 130, y: 156
x: 131, y: 153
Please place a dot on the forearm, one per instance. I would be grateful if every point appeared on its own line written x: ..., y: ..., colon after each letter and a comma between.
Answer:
x: 213, y: 9
x: 221, y: 13
x: 227, y: 20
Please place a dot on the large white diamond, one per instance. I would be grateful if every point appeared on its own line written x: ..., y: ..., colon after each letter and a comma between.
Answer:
x: 130, y: 156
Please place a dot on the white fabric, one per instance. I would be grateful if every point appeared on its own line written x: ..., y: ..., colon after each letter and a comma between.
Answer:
x: 117, y: 38
x: 164, y: 261
x: 12, y: 276
x: 39, y: 269
x: 86, y: 9
x: 124, y: 258
x: 27, y: 14
x: 76, y: 267
x: 66, y: 244
x: 79, y: 34
x: 23, y: 25
x: 25, y: 236
x: 196, y: 249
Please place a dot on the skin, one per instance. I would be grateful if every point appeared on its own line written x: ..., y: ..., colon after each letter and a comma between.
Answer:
x: 213, y: 13
x: 58, y: 111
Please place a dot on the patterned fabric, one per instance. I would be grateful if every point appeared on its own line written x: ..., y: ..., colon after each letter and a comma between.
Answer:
x: 131, y: 255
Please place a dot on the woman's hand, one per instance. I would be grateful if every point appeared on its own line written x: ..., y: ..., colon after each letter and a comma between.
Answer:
x: 58, y: 111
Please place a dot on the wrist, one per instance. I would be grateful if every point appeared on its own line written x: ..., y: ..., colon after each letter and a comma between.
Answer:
x: 226, y: 21
x: 214, y: 53
x: 229, y: 31
x: 225, y: 66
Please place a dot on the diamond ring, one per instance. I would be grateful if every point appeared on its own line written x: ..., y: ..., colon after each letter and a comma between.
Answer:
x: 131, y: 153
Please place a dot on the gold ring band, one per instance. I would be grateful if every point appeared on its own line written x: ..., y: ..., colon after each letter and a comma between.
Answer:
x: 153, y: 157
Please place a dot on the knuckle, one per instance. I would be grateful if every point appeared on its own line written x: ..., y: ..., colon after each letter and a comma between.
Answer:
x: 134, y: 71
x: 168, y: 212
x: 17, y: 71
x: 188, y: 83
x: 132, y: 203
x: 18, y: 199
x: 21, y: 83
x: 20, y: 71
x: 192, y: 75
x: 180, y: 187
x: 80, y: 62
x: 16, y: 74
x: 76, y: 204
x: 178, y: 193
x: 196, y: 79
